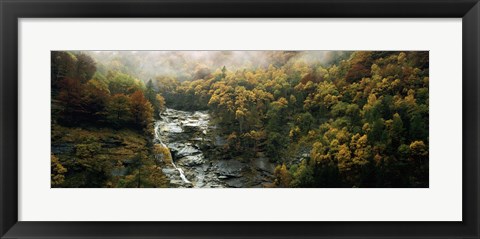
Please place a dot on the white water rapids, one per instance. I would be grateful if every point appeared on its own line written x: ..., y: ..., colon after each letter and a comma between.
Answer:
x: 180, y: 171
x: 182, y: 175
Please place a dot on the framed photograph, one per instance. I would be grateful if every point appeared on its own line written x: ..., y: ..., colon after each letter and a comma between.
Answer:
x: 239, y: 119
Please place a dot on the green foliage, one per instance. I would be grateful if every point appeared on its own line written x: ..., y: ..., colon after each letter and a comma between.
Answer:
x: 118, y: 110
x: 92, y: 106
x: 102, y: 158
x: 365, y: 108
x: 282, y: 176
x: 120, y: 83
x: 143, y: 172
x: 156, y: 100
x: 57, y: 172
x: 360, y: 120
x: 85, y: 68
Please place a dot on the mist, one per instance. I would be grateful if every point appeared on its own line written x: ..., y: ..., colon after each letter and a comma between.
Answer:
x: 181, y: 65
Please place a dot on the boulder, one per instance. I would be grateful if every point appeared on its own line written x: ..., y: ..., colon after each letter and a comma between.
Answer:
x: 235, y: 183
x: 263, y: 164
x: 231, y: 168
x: 191, y: 160
x: 188, y: 150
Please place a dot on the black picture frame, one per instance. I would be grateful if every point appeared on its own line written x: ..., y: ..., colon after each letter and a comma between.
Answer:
x: 11, y: 11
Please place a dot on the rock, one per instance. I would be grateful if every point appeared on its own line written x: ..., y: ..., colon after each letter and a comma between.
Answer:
x: 175, y: 147
x: 169, y: 171
x: 189, y: 128
x: 188, y: 150
x: 177, y: 183
x: 235, y: 183
x: 191, y: 160
x: 171, y: 128
x: 200, y: 154
x: 189, y: 174
x: 186, y: 186
x: 213, y: 185
x: 263, y: 164
x: 232, y: 168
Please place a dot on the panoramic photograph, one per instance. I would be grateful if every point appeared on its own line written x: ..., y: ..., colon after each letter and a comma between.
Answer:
x: 239, y: 119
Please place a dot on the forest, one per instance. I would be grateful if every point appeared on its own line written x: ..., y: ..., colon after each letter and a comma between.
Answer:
x: 243, y: 119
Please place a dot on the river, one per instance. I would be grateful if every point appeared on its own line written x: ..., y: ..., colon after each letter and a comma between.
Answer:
x: 196, y: 148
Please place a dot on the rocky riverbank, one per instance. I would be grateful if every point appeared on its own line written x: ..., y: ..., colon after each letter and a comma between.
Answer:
x: 196, y: 147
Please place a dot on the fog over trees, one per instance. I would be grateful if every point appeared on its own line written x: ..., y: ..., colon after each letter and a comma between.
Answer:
x: 183, y: 65
x: 320, y: 118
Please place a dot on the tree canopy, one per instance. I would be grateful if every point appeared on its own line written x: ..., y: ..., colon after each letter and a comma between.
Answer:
x: 326, y: 119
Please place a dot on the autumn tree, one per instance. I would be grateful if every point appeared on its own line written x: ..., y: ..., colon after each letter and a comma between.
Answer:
x: 282, y: 176
x: 118, y: 109
x: 85, y: 67
x: 57, y: 172
x: 142, y: 111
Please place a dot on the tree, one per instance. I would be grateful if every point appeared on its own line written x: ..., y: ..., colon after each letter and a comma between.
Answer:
x: 303, y: 176
x: 419, y: 164
x: 62, y: 66
x: 57, y: 172
x: 344, y: 157
x: 396, y: 131
x: 282, y: 176
x: 91, y: 163
x: 354, y: 168
x: 118, y: 110
x: 70, y: 99
x: 120, y: 83
x: 157, y: 101
x: 336, y: 119
x: 142, y: 111
x: 418, y: 149
x: 224, y: 72
x: 95, y: 99
x: 201, y: 72
x: 160, y: 102
x: 360, y: 65
x: 85, y: 67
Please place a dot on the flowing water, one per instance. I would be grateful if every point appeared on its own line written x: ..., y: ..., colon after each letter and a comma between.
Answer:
x: 159, y: 141
x: 197, y: 154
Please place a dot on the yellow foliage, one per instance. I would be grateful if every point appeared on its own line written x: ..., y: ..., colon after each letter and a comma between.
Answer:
x: 161, y: 101
x: 401, y: 57
x: 294, y: 132
x: 57, y: 171
x: 282, y: 101
x: 239, y: 114
x: 164, y: 152
x: 282, y: 176
x: 344, y: 158
x: 372, y: 99
x: 418, y: 148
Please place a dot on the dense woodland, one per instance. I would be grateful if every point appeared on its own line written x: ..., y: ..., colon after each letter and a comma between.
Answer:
x: 325, y: 119
x: 101, y: 124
